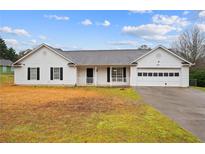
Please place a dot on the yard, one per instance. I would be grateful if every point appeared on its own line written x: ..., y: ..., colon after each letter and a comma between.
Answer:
x: 89, y: 114
x: 200, y: 88
x: 6, y: 79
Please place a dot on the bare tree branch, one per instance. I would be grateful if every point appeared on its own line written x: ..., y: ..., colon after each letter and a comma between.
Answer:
x: 191, y: 45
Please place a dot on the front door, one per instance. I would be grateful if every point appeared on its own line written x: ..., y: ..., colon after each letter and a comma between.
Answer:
x: 89, y: 79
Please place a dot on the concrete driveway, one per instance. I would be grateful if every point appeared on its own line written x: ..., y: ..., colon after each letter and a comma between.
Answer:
x: 186, y: 106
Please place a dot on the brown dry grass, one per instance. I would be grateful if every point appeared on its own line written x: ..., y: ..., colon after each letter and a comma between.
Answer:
x: 60, y: 114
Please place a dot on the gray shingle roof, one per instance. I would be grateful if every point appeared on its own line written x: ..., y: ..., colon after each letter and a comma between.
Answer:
x: 103, y: 57
x: 5, y: 62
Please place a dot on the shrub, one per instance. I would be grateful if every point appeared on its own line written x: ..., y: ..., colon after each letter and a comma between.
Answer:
x: 199, y: 74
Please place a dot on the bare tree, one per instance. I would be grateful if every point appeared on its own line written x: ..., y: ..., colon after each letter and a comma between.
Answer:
x: 23, y: 53
x: 191, y: 45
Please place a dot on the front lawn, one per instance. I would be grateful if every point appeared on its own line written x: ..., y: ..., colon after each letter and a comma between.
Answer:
x: 200, y: 88
x: 61, y: 114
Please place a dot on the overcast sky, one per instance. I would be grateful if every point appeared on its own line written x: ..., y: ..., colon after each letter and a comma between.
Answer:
x: 73, y: 30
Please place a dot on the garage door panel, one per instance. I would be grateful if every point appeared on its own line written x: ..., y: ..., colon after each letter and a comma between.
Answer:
x: 173, y: 78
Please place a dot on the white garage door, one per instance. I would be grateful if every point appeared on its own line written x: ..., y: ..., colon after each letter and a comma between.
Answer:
x: 158, y: 77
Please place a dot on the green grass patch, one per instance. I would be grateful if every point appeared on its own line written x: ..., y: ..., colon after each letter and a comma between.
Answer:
x: 122, y: 92
x: 6, y: 79
x: 200, y: 88
x: 145, y: 126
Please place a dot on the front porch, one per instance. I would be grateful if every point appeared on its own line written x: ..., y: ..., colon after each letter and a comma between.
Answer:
x: 103, y: 75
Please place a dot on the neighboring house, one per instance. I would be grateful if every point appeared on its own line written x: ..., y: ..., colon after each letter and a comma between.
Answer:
x: 46, y: 65
x: 6, y: 66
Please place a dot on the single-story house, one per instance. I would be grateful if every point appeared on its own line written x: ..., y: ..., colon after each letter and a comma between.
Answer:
x: 6, y: 66
x: 46, y: 65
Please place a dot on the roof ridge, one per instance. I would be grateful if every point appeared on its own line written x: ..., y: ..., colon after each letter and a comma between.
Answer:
x: 103, y: 50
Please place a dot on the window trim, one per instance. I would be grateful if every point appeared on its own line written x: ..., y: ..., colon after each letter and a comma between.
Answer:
x: 158, y: 74
x: 144, y: 74
x: 171, y: 74
x: 161, y: 74
x: 149, y: 74
x: 55, y: 72
x: 118, y: 77
x: 139, y: 74
x: 177, y: 74
x: 155, y: 74
x: 31, y: 74
x: 167, y: 74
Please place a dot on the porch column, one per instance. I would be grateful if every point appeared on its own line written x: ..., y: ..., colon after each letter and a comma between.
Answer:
x: 110, y: 75
x: 96, y: 76
x: 133, y: 75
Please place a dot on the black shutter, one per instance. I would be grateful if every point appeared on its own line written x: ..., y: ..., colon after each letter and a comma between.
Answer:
x: 51, y: 73
x: 108, y: 74
x: 124, y: 73
x: 28, y: 73
x: 38, y: 73
x: 61, y: 73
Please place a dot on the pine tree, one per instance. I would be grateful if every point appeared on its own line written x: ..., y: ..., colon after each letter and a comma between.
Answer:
x: 3, y: 49
x: 7, y: 53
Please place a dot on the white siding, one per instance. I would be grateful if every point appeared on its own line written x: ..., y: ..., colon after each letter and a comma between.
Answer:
x: 44, y: 59
x: 159, y: 58
x: 102, y: 76
x: 185, y: 76
x: 81, y: 76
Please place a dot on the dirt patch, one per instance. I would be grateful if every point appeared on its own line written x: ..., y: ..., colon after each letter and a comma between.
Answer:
x: 79, y: 105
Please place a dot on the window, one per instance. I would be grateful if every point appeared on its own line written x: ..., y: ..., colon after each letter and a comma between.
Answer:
x: 165, y: 74
x: 155, y: 74
x: 171, y: 74
x: 176, y: 74
x: 160, y: 74
x: 144, y: 74
x: 56, y: 73
x: 139, y: 74
x: 117, y: 74
x: 33, y: 73
x: 149, y: 74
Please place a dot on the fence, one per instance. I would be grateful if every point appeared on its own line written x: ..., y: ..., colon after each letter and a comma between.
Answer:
x: 193, y: 82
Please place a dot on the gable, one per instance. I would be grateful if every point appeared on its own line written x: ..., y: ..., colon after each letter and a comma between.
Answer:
x: 160, y: 58
x: 36, y: 50
x: 43, y: 56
